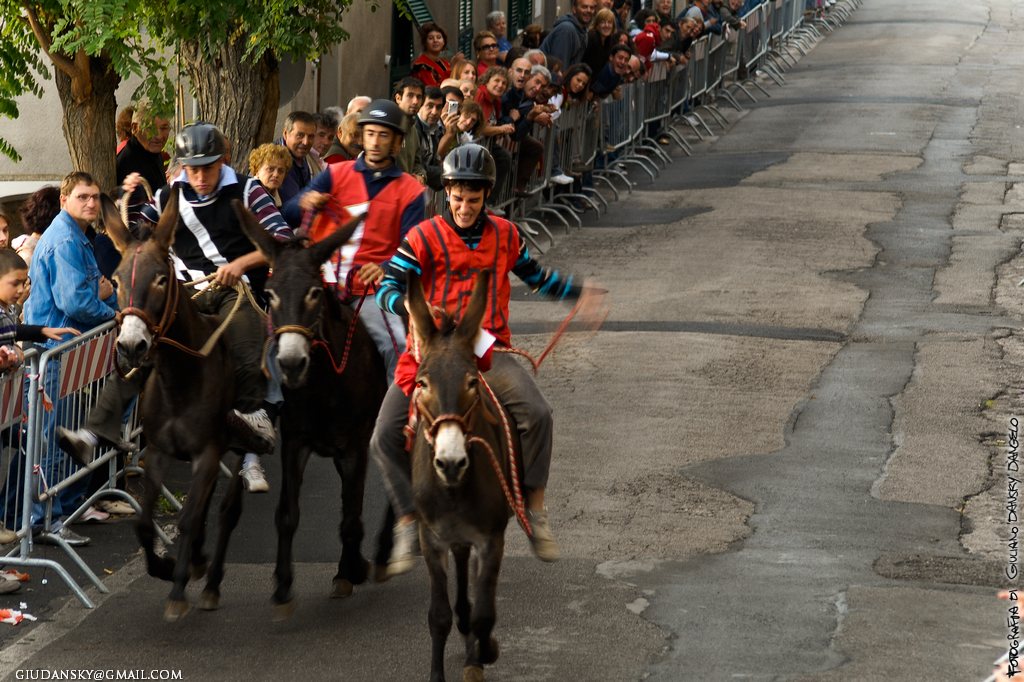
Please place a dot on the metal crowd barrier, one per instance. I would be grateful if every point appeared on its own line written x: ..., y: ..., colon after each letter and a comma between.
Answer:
x: 593, y: 142
x: 63, y: 384
x: 656, y: 99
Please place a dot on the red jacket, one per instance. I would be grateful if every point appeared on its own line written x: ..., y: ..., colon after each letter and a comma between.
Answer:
x: 377, y: 238
x: 431, y: 71
x: 449, y: 268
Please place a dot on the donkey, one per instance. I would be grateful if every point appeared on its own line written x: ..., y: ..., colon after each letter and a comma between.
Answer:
x: 333, y: 382
x: 186, y: 402
x: 456, y: 489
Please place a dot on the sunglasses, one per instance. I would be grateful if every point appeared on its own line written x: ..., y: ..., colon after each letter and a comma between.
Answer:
x: 489, y: 46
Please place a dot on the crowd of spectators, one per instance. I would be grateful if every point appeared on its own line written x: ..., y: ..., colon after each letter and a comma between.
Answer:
x: 497, y: 94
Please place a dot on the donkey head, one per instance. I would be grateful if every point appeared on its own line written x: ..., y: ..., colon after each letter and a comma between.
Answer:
x: 295, y: 291
x: 144, y: 279
x: 447, y: 382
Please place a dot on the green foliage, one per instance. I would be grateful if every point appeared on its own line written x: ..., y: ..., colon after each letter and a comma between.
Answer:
x: 140, y: 37
x: 302, y: 29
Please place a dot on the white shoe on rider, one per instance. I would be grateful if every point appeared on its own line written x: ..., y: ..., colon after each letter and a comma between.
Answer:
x: 254, y: 479
x: 261, y: 426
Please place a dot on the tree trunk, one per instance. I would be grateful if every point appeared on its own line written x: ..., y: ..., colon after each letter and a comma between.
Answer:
x: 89, y: 112
x: 238, y: 97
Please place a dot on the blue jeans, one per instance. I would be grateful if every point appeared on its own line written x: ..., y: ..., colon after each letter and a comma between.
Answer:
x: 378, y: 323
x: 55, y: 466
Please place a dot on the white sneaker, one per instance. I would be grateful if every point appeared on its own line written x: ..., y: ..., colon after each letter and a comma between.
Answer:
x: 562, y: 179
x: 543, y: 541
x: 254, y: 479
x: 405, y: 550
x: 261, y: 426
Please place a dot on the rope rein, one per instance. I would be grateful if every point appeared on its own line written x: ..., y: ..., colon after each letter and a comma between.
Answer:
x: 514, y: 497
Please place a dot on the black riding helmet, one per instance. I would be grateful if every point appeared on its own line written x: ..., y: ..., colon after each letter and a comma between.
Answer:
x: 385, y: 113
x: 469, y: 162
x: 199, y: 144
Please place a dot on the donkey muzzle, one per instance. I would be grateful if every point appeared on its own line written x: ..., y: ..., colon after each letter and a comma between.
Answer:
x: 134, y: 341
x: 293, y: 359
x: 450, y: 458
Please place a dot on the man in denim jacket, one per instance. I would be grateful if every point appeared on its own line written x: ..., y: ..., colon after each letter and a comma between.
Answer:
x: 67, y: 291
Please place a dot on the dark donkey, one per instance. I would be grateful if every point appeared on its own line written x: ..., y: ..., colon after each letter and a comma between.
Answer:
x: 458, y: 493
x: 333, y: 382
x: 185, y: 405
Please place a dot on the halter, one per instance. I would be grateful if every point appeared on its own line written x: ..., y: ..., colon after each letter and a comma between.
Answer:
x: 170, y: 313
x: 513, y: 493
x: 170, y: 305
x: 434, y: 423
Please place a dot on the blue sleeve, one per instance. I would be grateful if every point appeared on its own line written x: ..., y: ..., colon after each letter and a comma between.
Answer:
x: 73, y: 294
x: 391, y: 290
x: 544, y: 281
x: 414, y: 214
x: 291, y: 211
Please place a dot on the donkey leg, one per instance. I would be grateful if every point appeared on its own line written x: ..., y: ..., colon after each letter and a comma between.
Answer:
x: 161, y: 567
x: 198, y: 561
x: 462, y: 603
x: 352, y: 567
x: 472, y: 670
x: 230, y: 512
x: 204, y: 477
x: 484, y: 609
x: 439, y: 617
x: 294, y: 458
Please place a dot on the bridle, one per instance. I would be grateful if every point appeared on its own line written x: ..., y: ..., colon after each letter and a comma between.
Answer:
x: 170, y: 312
x: 433, y: 424
x: 513, y: 493
x: 170, y: 302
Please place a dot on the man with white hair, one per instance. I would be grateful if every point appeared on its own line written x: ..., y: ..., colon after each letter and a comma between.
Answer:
x: 536, y: 57
x: 357, y: 104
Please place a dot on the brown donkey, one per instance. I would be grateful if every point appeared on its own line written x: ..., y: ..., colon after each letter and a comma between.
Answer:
x: 458, y: 494
x: 186, y: 402
x: 333, y: 382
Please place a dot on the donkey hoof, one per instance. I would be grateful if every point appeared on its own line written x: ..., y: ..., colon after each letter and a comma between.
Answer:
x: 175, y: 610
x: 489, y: 654
x: 380, y: 573
x: 209, y: 601
x: 283, y: 612
x: 197, y: 571
x: 472, y: 673
x: 342, y: 589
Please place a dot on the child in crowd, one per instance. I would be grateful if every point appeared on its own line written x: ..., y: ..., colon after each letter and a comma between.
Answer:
x: 13, y: 286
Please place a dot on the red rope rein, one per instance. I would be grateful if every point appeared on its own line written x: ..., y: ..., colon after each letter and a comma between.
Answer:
x: 513, y: 494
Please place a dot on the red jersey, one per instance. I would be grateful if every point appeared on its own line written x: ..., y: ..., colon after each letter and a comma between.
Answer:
x: 448, y: 271
x: 377, y: 237
x: 431, y: 71
x: 449, y: 268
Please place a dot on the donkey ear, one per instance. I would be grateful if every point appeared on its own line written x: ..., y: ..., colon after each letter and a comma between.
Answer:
x: 473, y: 315
x: 114, y: 226
x: 163, y: 234
x: 322, y: 250
x: 419, y: 314
x: 252, y: 229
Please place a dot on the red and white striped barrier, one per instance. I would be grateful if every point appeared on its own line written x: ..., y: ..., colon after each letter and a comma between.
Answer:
x: 12, y: 397
x: 86, y: 363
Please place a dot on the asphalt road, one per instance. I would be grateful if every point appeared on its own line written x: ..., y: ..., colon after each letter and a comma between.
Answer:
x: 781, y: 458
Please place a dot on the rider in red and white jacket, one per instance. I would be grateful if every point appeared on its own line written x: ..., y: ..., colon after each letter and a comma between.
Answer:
x: 391, y: 202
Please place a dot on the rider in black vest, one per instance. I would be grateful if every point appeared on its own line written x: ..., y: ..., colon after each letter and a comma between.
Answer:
x: 208, y: 241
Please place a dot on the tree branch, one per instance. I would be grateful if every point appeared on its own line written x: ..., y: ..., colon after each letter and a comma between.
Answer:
x: 59, y: 60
